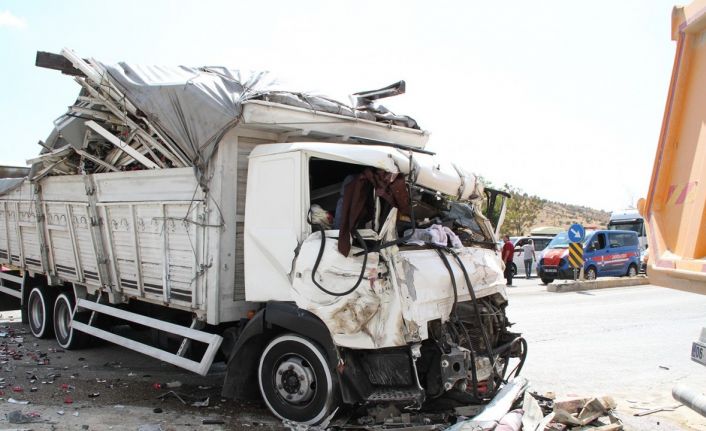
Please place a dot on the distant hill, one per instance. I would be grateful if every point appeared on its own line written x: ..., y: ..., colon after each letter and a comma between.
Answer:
x: 563, y: 215
x: 526, y: 212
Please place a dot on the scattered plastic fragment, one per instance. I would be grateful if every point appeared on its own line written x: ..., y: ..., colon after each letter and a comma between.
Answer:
x: 203, y: 403
x: 157, y: 410
x: 60, y: 412
x: 14, y: 401
x: 68, y: 400
x: 94, y: 395
x: 172, y: 393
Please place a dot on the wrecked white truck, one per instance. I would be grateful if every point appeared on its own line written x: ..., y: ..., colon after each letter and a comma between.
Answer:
x: 318, y: 247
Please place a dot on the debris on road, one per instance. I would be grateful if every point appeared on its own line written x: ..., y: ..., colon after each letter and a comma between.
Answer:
x: 203, y: 403
x: 656, y: 410
x: 173, y: 394
x: 17, y: 417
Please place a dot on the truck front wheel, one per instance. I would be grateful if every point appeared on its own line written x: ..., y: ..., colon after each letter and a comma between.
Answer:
x: 296, y: 382
x: 39, y: 311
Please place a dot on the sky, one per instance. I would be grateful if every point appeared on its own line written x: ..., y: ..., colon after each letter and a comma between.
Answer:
x: 562, y: 99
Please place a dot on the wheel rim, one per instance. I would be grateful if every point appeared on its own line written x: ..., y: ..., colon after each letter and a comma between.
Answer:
x: 36, y: 312
x: 294, y: 380
x: 591, y: 274
x: 632, y: 272
x: 62, y: 316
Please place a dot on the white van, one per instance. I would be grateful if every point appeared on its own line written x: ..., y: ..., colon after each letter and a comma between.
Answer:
x: 518, y: 260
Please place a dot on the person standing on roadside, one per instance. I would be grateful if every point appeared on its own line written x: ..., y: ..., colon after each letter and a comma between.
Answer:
x: 507, y: 252
x: 528, y: 250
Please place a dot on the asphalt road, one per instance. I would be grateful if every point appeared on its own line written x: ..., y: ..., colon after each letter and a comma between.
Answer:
x: 632, y: 343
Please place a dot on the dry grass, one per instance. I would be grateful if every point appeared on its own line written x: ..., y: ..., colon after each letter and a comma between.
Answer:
x: 563, y: 215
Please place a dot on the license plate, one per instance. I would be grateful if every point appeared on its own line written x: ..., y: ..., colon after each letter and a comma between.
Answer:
x: 698, y: 352
x: 549, y: 269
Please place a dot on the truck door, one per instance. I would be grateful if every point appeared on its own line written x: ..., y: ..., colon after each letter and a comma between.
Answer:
x: 273, y: 225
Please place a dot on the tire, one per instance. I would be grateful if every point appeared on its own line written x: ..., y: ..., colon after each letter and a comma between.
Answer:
x: 296, y: 382
x: 632, y: 270
x: 547, y: 280
x: 591, y: 273
x: 65, y: 335
x: 40, y: 306
x: 513, y: 268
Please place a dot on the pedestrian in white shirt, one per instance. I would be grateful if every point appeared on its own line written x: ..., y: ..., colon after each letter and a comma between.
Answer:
x: 528, y: 250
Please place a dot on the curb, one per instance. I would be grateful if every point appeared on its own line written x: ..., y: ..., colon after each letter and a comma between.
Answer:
x: 606, y: 283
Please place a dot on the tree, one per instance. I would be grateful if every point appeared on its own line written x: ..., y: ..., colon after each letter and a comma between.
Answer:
x: 522, y: 211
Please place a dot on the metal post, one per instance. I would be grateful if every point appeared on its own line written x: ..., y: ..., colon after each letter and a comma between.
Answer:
x: 690, y: 398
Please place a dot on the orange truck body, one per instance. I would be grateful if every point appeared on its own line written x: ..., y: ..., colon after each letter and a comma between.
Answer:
x: 675, y: 206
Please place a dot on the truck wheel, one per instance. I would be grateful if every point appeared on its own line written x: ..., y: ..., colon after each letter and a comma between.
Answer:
x: 591, y: 273
x: 295, y: 380
x: 632, y: 270
x: 65, y: 335
x: 39, y: 311
x: 547, y: 280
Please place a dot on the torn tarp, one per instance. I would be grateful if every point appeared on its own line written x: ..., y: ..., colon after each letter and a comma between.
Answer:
x: 171, y: 116
x: 9, y: 184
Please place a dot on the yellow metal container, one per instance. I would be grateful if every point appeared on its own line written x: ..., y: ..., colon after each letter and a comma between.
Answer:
x: 675, y: 206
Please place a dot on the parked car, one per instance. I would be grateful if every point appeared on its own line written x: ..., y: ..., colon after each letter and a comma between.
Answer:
x: 518, y: 264
x: 606, y: 253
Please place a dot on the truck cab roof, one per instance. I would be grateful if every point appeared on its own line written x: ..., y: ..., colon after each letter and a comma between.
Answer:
x: 430, y: 172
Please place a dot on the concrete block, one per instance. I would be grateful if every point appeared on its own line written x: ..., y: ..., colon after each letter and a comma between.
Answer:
x: 601, y: 283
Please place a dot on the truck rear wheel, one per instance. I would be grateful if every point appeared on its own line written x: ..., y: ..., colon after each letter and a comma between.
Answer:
x: 296, y: 381
x: 66, y: 337
x: 39, y: 311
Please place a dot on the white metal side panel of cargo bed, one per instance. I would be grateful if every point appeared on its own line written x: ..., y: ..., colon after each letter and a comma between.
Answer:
x: 5, y: 249
x: 10, y: 207
x: 13, y: 234
x: 273, y: 225
x: 85, y: 249
x: 29, y: 240
x: 62, y: 256
x: 154, y: 235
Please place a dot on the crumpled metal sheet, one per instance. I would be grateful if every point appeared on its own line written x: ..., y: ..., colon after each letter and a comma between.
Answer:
x: 196, y: 106
x: 392, y: 306
x: 369, y: 317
